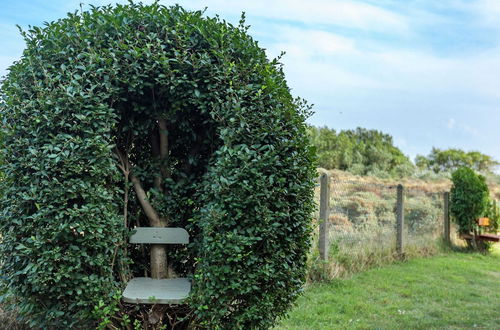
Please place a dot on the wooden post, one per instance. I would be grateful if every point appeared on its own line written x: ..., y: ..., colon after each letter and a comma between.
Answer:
x: 446, y: 197
x: 324, y: 210
x: 400, y: 220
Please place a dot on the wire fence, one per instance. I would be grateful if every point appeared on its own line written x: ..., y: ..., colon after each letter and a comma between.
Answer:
x: 423, y: 219
x: 359, y: 223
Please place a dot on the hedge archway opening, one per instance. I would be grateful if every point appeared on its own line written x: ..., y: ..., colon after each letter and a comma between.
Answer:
x: 106, y: 102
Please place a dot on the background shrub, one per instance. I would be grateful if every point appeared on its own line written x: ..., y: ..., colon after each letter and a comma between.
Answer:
x: 469, y: 199
x: 239, y: 163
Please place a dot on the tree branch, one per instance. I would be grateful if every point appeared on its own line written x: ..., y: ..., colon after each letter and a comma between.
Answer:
x: 163, y: 132
x: 156, y: 153
x: 162, y: 125
x: 153, y: 217
x: 124, y: 164
x: 125, y: 167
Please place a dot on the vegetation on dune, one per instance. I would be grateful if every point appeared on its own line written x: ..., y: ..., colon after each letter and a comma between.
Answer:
x: 436, y: 185
x: 370, y: 152
x: 362, y: 223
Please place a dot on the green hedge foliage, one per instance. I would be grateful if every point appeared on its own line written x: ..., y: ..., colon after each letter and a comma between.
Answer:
x: 241, y: 169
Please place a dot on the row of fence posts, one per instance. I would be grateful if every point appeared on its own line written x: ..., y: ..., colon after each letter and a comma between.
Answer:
x: 324, y: 214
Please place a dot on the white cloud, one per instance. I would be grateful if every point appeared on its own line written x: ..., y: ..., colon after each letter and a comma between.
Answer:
x: 469, y: 130
x: 489, y: 10
x: 321, y: 58
x: 307, y: 43
x: 332, y: 12
x: 451, y: 123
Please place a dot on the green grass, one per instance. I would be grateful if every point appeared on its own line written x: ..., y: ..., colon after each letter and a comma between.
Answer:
x: 452, y: 291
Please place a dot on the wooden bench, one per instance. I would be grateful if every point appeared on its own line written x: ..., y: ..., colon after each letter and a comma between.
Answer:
x: 482, y: 222
x: 490, y: 237
x: 482, y: 237
x: 145, y: 290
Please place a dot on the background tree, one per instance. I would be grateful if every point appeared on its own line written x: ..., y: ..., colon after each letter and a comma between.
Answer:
x: 452, y: 159
x: 145, y: 115
x: 360, y: 151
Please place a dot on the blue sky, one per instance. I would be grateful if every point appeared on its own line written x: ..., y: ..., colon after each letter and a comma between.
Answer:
x: 426, y: 72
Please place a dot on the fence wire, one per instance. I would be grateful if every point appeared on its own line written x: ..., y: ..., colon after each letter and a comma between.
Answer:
x: 362, y: 223
x: 423, y: 219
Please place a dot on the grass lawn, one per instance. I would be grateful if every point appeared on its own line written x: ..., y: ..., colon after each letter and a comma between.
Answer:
x: 453, y: 291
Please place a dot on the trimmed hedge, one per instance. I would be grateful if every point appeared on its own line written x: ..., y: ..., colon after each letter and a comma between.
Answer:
x: 240, y: 166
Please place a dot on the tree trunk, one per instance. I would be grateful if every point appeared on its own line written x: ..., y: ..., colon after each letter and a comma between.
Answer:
x: 159, y: 267
x: 158, y: 255
x: 159, y: 264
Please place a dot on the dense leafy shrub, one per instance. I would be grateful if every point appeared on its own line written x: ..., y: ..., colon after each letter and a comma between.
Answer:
x: 89, y: 94
x: 469, y: 199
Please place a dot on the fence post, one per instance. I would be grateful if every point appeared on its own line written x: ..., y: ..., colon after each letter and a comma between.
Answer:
x: 324, y: 210
x: 447, y: 217
x: 400, y: 220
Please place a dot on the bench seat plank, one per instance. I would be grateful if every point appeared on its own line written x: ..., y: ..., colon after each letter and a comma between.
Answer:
x: 152, y: 235
x: 490, y: 237
x: 141, y: 290
x: 482, y: 237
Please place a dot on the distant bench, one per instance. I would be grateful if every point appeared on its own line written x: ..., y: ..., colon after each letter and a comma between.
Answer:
x: 482, y: 222
x: 482, y: 237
